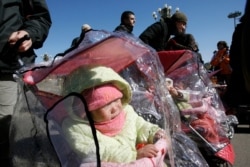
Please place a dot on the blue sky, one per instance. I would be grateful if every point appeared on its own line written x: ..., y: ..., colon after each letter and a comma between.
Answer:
x: 207, y: 20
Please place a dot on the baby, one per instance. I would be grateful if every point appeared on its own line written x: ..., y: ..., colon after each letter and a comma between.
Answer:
x: 123, y: 135
x: 195, y: 109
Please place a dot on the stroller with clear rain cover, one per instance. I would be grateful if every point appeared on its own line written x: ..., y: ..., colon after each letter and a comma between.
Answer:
x: 50, y: 93
x: 202, y: 113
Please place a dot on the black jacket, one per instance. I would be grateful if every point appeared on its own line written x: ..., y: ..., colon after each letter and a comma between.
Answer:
x: 125, y: 28
x: 30, y: 15
x: 157, y: 35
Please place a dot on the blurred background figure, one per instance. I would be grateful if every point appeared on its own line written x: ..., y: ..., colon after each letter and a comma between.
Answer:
x: 220, y: 61
x: 85, y: 28
x: 127, y: 22
x: 238, y: 91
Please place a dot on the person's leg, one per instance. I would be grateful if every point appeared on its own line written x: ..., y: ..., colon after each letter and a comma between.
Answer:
x: 8, y: 98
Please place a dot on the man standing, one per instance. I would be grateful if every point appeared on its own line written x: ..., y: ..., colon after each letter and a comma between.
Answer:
x: 127, y: 22
x: 24, y: 26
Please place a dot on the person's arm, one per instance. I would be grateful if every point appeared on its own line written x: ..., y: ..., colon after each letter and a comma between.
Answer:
x: 79, y: 137
x: 150, y: 33
x: 177, y: 94
x: 147, y: 134
x: 111, y: 149
x: 225, y: 57
x: 38, y: 23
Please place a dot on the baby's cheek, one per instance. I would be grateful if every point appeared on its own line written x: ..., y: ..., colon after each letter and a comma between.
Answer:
x: 98, y: 116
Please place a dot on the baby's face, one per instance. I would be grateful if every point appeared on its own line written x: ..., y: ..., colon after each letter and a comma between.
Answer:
x: 107, y: 112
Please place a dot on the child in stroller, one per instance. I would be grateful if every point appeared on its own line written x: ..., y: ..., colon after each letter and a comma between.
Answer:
x: 195, y: 109
x: 119, y: 128
x: 199, y: 99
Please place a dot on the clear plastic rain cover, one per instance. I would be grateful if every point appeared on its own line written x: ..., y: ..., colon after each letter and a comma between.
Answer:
x: 53, y: 125
x: 203, y: 116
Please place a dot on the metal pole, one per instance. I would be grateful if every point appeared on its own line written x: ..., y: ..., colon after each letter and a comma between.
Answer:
x: 234, y: 15
x: 234, y: 22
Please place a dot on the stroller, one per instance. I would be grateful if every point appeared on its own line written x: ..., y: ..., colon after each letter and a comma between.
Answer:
x: 48, y: 91
x: 203, y: 116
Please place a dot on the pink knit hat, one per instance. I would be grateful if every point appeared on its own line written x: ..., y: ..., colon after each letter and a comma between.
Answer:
x: 100, y: 96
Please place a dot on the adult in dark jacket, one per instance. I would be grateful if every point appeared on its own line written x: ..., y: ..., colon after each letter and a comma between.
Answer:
x: 158, y: 33
x: 245, y: 49
x: 127, y: 22
x: 237, y: 90
x: 18, y: 19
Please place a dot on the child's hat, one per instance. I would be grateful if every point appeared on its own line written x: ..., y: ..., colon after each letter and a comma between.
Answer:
x: 169, y: 82
x: 100, y: 96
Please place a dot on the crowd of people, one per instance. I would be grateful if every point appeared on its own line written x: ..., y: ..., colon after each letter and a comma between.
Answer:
x: 25, y: 26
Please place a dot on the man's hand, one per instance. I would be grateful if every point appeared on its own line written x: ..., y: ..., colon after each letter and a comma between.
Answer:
x: 15, y: 36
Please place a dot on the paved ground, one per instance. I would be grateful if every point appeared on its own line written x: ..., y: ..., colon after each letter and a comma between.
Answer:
x: 241, y: 143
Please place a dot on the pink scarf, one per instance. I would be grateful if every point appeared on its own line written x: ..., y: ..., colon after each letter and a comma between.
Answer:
x: 112, y: 127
